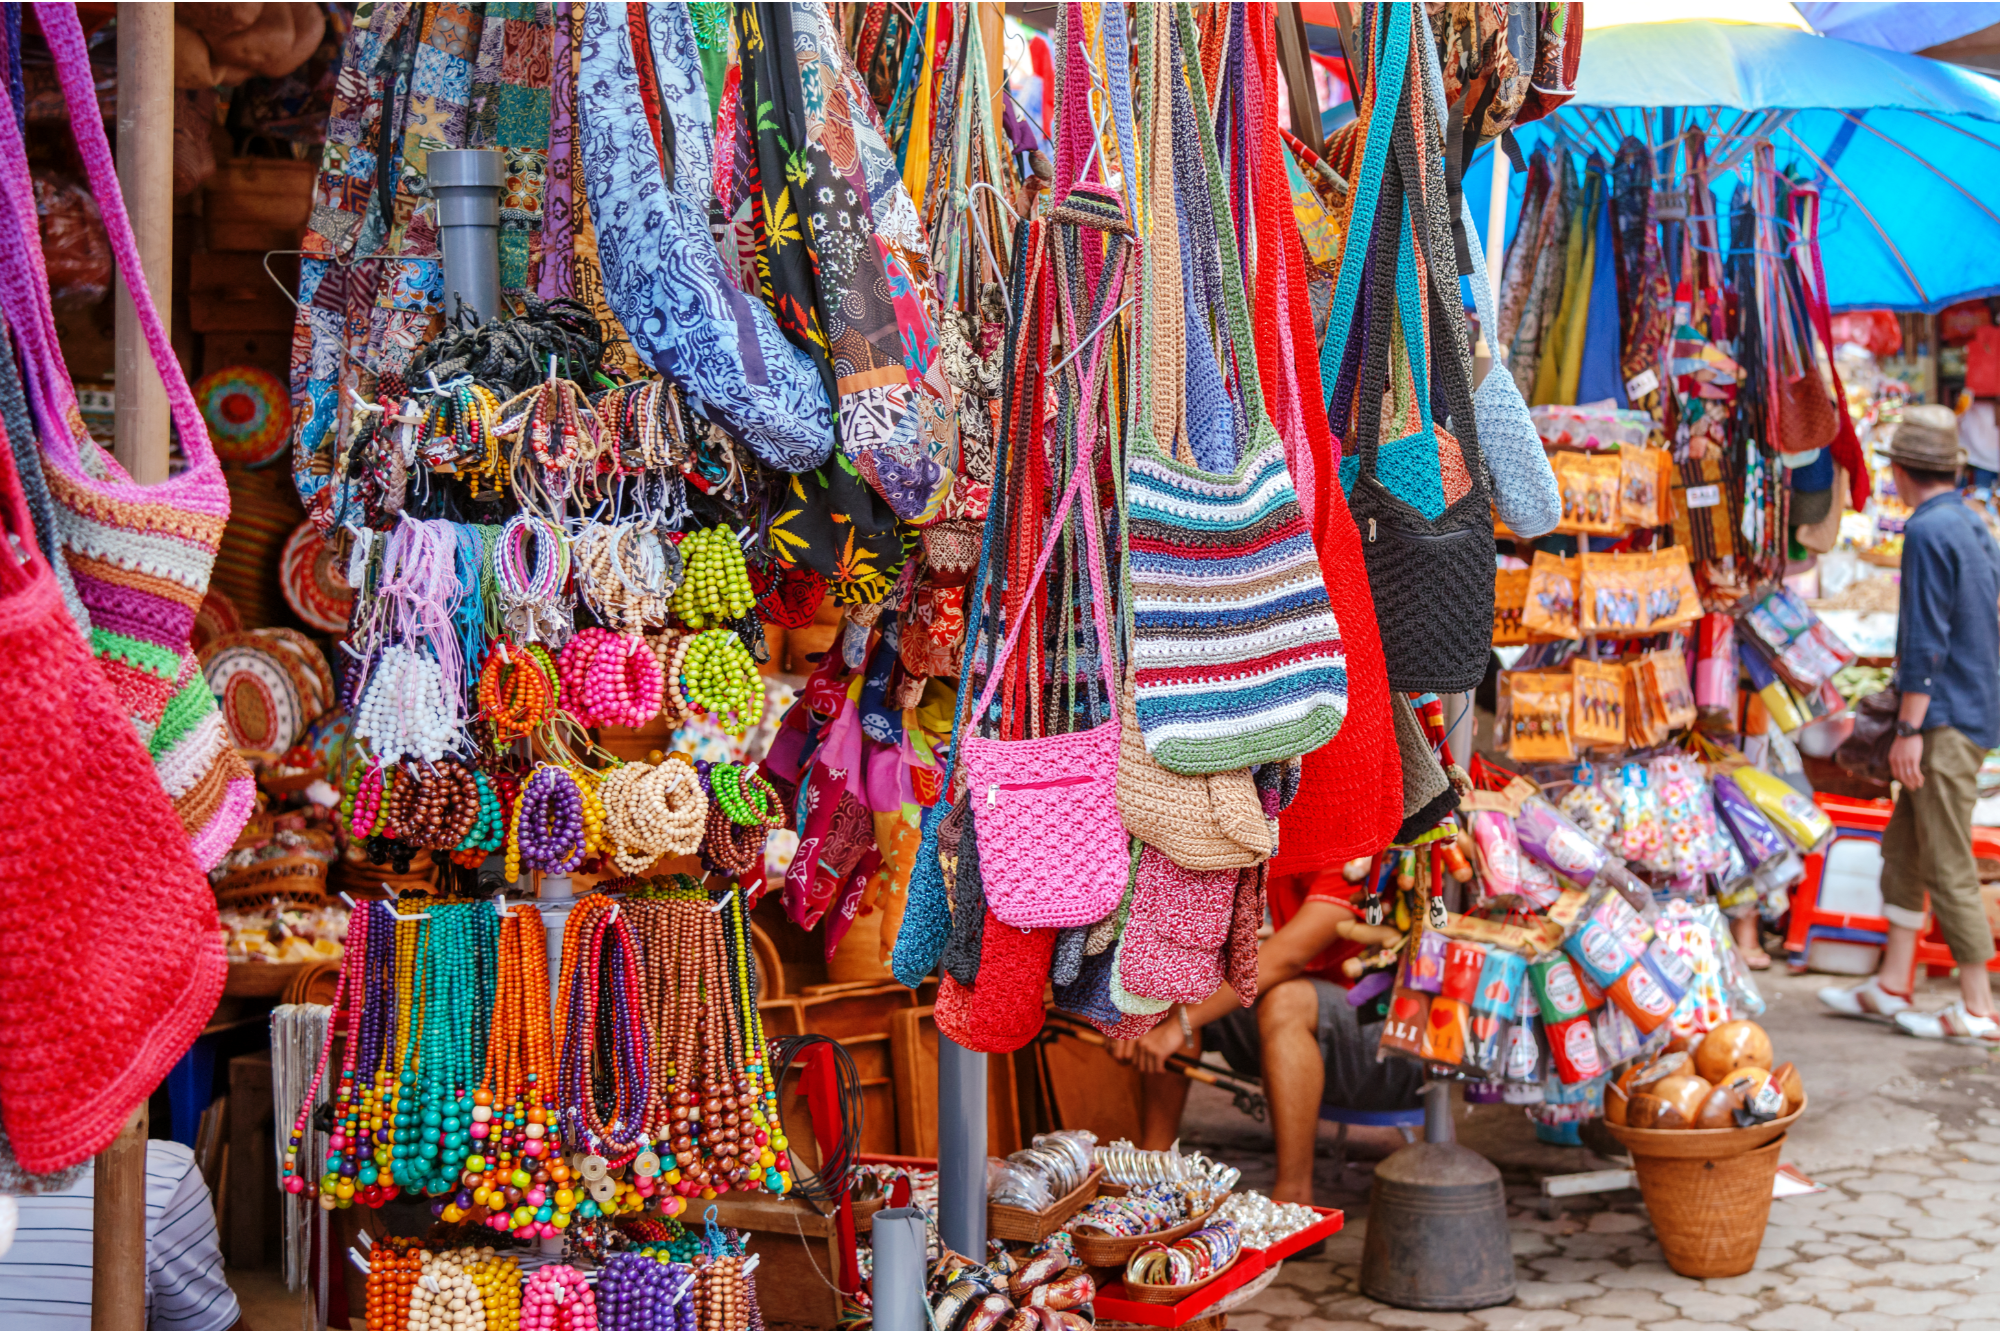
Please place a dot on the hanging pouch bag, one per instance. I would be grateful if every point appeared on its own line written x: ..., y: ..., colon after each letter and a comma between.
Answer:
x: 140, y: 555
x: 1420, y: 499
x: 1525, y: 494
x: 663, y: 276
x: 1051, y: 849
x: 1236, y: 652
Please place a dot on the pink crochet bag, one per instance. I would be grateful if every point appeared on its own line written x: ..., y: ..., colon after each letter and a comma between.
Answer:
x: 140, y: 555
x: 1052, y: 851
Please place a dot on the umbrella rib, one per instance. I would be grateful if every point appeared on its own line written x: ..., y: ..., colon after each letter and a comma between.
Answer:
x: 1907, y: 150
x: 1834, y: 176
x: 1957, y: 129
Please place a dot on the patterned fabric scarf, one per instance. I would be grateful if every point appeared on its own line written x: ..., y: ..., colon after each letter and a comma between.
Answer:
x: 510, y: 112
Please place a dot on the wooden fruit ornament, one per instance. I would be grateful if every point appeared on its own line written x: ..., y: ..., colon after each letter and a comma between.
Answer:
x: 1685, y: 1093
x: 1786, y: 1076
x: 1738, y: 1044
x: 1616, y: 1102
x: 1719, y: 1110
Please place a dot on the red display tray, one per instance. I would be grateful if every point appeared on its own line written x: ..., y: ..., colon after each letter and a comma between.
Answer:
x: 1113, y: 1303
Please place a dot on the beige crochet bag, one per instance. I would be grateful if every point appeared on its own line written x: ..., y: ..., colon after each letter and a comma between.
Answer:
x: 1212, y: 821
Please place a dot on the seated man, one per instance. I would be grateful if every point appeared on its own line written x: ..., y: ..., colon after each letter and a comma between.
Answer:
x: 1303, y: 1038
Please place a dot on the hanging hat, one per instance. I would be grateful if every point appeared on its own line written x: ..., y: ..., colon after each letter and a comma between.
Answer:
x: 313, y: 577
x: 248, y: 412
x: 1927, y: 439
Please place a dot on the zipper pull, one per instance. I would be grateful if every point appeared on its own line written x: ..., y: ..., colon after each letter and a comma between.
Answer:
x: 992, y: 794
x: 1371, y: 531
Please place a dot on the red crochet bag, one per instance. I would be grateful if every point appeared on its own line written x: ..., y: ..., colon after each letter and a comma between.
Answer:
x: 110, y: 952
x: 1350, y: 799
x: 1002, y: 1010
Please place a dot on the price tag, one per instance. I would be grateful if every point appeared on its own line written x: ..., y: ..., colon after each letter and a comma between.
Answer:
x: 1642, y: 383
x: 1704, y: 497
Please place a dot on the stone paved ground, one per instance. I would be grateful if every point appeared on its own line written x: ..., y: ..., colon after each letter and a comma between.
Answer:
x: 1904, y: 1134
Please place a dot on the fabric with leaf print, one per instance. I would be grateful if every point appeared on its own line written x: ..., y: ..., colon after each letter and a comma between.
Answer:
x: 662, y: 273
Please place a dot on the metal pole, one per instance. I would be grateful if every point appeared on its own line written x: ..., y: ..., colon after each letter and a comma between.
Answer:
x: 146, y: 179
x: 1438, y: 1127
x: 898, y: 1287
x: 962, y: 1148
x: 466, y: 183
x: 118, y: 1229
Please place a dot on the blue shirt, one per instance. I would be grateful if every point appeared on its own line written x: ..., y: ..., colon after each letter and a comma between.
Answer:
x: 1948, y: 618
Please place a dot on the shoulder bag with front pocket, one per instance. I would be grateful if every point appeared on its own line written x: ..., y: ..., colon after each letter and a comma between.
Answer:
x: 1421, y: 499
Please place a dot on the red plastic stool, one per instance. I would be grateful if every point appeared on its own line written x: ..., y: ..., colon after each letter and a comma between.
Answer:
x: 1854, y: 818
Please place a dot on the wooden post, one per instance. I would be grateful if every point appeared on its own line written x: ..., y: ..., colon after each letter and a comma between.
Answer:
x: 993, y: 36
x: 1301, y: 92
x: 146, y: 178
x: 118, y: 1224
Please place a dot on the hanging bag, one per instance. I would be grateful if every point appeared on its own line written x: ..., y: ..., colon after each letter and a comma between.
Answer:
x: 140, y: 555
x: 1236, y: 653
x: 663, y: 276
x: 1525, y: 494
x: 94, y: 1010
x: 1422, y: 498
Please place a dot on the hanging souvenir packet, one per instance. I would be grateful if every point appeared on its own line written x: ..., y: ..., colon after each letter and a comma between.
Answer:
x: 1422, y: 498
x: 1646, y: 480
x: 1540, y: 730
x: 1591, y: 485
x: 662, y: 273
x: 1550, y: 610
x: 1510, y: 604
x: 140, y: 556
x: 1236, y: 651
x: 1600, y: 702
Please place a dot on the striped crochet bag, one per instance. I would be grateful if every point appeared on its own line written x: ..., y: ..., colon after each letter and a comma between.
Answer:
x: 140, y: 555
x: 1236, y: 652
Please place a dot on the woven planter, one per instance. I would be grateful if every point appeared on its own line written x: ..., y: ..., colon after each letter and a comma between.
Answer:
x: 1709, y: 1212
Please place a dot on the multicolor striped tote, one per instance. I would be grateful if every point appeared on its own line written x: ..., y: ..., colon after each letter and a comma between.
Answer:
x: 1236, y: 652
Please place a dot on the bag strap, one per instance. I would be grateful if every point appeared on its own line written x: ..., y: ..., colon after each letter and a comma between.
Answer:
x: 66, y: 42
x: 1847, y: 444
x: 1162, y: 355
x: 1084, y: 474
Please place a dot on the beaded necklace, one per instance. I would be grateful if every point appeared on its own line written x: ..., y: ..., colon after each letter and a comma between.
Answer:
x: 605, y: 1052
x: 354, y: 961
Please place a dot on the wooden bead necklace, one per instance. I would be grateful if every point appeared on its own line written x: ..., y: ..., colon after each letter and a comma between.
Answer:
x: 716, y: 585
x: 519, y: 690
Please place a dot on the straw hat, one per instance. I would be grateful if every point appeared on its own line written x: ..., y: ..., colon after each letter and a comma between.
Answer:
x: 1927, y: 439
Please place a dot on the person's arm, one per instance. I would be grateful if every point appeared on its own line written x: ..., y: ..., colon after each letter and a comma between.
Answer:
x: 1312, y: 929
x: 1906, y: 753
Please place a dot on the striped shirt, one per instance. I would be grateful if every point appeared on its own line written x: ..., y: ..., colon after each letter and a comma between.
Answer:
x: 45, y: 1277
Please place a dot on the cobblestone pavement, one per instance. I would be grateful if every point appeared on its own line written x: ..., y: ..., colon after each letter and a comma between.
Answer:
x: 1904, y: 1134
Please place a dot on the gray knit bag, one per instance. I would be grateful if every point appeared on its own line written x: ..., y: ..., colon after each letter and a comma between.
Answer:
x: 1525, y: 493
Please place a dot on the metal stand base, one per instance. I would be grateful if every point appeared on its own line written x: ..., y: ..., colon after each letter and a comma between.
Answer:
x: 1437, y: 1223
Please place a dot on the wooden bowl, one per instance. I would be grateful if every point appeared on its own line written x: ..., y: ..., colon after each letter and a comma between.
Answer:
x: 1148, y: 1294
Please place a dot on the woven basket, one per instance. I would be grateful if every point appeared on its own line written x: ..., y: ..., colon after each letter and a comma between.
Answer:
x: 1148, y: 1294
x: 1007, y: 1222
x: 1709, y: 1212
x: 1101, y: 1251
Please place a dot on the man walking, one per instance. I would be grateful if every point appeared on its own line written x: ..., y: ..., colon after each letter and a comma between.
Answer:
x: 1948, y: 671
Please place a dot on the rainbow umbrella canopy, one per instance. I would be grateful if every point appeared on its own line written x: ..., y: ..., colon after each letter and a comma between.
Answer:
x: 1905, y: 150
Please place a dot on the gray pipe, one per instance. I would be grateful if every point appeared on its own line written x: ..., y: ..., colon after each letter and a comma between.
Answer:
x: 898, y: 1286
x: 962, y: 1148
x: 466, y: 182
x: 1438, y: 1126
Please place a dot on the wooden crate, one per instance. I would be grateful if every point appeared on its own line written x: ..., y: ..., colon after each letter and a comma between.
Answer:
x: 232, y: 293
x: 913, y: 1042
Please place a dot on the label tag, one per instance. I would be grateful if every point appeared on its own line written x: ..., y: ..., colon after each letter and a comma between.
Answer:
x: 1642, y: 383
x: 1670, y: 205
x: 1704, y: 497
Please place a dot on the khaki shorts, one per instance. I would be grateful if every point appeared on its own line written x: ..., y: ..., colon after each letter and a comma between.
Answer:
x: 1927, y: 848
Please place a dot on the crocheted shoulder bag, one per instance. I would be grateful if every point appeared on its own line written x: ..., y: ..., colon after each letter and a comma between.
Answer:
x: 1421, y: 499
x: 1525, y: 494
x: 1237, y: 654
x: 91, y: 1019
x: 1051, y: 852
x: 140, y: 556
x: 663, y: 275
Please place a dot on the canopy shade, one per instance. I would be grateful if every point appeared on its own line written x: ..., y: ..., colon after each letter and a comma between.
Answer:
x: 1898, y: 25
x: 1906, y: 150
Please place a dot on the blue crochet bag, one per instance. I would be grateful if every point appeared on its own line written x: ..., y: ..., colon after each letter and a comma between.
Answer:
x: 1525, y: 494
x: 1236, y: 653
x: 1421, y: 499
x: 663, y: 276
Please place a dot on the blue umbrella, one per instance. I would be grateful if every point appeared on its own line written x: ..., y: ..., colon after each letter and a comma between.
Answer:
x: 1898, y: 25
x: 1906, y: 151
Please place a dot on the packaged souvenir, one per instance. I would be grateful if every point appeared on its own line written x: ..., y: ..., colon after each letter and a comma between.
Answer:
x: 1573, y: 1050
x: 1550, y: 610
x: 1645, y: 487
x: 1671, y: 598
x: 1641, y: 832
x: 1619, y: 917
x: 1611, y: 594
x: 1759, y: 841
x: 1524, y: 1060
x: 1598, y: 691
x: 1744, y: 999
x: 1599, y: 952
x: 1715, y: 664
x: 1464, y: 963
x: 1618, y: 1037
x: 1686, y: 940
x: 1538, y: 887
x: 1645, y: 715
x: 1585, y: 803
x: 1549, y: 837
x: 1556, y: 988
x: 1794, y: 813
x: 1590, y: 485
x: 1445, y: 1031
x: 1667, y: 678
x: 1538, y: 712
x: 1510, y: 604
x: 1423, y: 962
x: 1499, y: 853
x: 1486, y: 1046
x: 1408, y: 1018
x: 1644, y: 996
x: 1501, y: 982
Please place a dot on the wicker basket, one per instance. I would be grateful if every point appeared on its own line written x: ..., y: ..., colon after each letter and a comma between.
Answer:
x: 1709, y: 1211
x: 1148, y: 1294
x: 1112, y: 1251
x: 1019, y: 1224
x: 1703, y: 1143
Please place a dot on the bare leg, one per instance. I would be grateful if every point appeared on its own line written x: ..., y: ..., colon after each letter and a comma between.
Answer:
x: 1294, y: 1079
x: 1975, y: 987
x: 1162, y: 1098
x: 1748, y: 945
x: 1898, y: 973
